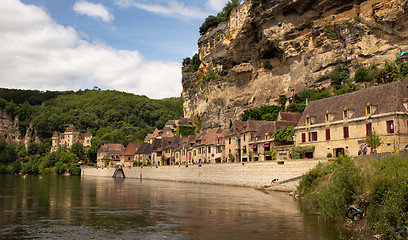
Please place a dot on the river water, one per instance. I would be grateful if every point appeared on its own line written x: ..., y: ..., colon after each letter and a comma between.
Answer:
x: 62, y: 207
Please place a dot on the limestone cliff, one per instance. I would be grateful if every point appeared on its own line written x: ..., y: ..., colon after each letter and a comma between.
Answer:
x: 302, y: 40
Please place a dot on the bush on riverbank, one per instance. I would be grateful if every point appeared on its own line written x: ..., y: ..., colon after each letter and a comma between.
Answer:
x: 16, y: 159
x: 378, y: 185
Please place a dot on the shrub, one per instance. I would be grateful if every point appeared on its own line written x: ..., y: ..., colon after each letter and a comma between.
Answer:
x: 231, y: 157
x: 60, y: 168
x: 388, y: 74
x: 212, y: 21
x: 309, y: 180
x: 75, y: 169
x: 285, y: 134
x: 296, y: 107
x: 339, y: 74
x: 362, y: 75
x: 267, y: 65
x: 329, y: 155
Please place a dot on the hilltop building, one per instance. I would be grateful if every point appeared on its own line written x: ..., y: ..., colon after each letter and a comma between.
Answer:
x: 339, y: 124
x: 69, y: 137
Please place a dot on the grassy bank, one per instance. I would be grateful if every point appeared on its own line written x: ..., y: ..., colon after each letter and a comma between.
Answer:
x: 378, y: 187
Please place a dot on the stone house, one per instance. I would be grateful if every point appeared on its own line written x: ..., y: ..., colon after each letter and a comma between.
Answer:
x: 110, y: 154
x: 130, y: 151
x: 69, y: 137
x: 143, y: 153
x: 339, y: 124
x: 253, y: 140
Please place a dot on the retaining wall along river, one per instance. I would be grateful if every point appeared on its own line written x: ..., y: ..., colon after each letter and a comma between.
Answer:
x: 250, y: 174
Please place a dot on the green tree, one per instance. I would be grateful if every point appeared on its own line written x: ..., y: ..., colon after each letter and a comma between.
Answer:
x: 388, y: 74
x: 212, y: 21
x: 78, y: 149
x: 285, y: 134
x: 339, y: 75
x: 362, y: 75
x: 375, y: 138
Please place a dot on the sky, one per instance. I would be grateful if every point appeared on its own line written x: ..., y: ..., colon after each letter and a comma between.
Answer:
x: 134, y: 46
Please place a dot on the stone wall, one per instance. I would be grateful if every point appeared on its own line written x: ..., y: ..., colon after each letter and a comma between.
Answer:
x: 258, y: 174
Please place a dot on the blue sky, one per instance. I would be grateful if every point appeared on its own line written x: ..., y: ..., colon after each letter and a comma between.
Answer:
x: 128, y: 45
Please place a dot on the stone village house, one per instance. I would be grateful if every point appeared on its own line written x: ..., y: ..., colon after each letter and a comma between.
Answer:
x: 110, y: 154
x: 253, y: 140
x: 339, y: 124
x: 243, y: 140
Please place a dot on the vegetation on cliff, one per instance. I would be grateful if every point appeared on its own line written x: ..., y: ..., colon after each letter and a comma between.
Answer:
x: 377, y: 187
x: 212, y: 21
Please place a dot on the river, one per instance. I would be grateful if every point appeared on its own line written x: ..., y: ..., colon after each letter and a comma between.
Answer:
x: 62, y: 207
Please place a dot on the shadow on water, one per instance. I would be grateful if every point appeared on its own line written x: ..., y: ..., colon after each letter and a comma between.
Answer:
x: 71, y: 207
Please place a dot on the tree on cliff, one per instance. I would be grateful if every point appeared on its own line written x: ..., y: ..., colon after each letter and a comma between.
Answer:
x: 212, y: 21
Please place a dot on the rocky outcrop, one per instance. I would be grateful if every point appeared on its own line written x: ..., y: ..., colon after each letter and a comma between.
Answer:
x: 264, y: 50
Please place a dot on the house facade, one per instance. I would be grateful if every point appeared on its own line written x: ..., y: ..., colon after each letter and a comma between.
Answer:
x: 70, y: 137
x: 110, y: 154
x: 340, y: 124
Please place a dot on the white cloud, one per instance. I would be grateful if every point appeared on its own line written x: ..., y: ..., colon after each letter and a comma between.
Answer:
x: 217, y: 5
x: 93, y: 10
x: 38, y: 53
x: 172, y: 9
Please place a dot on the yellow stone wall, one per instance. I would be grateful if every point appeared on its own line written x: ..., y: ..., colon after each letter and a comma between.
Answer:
x: 357, y: 132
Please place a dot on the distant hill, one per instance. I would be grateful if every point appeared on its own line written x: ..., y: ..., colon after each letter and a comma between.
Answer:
x: 111, y: 116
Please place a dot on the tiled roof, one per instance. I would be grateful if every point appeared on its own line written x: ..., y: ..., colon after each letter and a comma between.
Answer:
x: 385, y: 98
x: 112, y: 147
x: 289, y: 116
x: 131, y: 148
x: 186, y: 122
x: 71, y: 128
x: 84, y: 135
x: 145, y: 148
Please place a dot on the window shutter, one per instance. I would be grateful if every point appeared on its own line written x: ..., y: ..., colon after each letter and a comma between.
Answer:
x: 346, y: 132
x: 368, y: 129
x: 303, y: 137
x: 327, y: 134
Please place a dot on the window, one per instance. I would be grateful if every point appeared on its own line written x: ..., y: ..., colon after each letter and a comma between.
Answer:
x: 303, y: 137
x: 199, y: 151
x: 327, y: 117
x: 345, y: 114
x: 345, y: 132
x: 328, y: 134
x: 368, y: 110
x: 307, y: 120
x: 390, y: 126
x: 229, y: 140
x: 244, y: 137
x: 312, y: 136
x: 176, y: 155
x: 368, y: 129
x: 209, y: 149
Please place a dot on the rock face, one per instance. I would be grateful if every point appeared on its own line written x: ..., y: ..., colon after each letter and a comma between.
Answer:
x: 264, y: 50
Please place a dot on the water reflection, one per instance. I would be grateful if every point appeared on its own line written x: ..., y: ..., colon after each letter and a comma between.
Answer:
x: 70, y: 207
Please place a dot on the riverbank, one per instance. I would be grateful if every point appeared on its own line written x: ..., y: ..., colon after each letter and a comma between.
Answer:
x: 250, y: 174
x: 375, y: 185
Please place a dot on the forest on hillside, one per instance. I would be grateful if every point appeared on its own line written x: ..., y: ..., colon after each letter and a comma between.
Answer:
x: 111, y: 116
